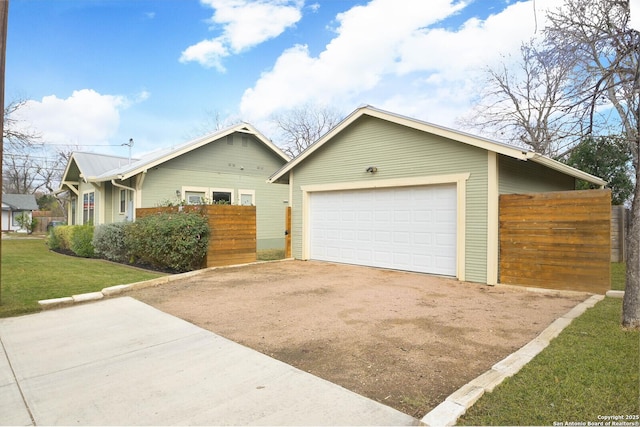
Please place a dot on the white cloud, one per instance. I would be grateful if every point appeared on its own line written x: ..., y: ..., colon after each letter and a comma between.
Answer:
x: 634, y: 22
x: 84, y: 118
x: 413, y: 66
x: 245, y: 24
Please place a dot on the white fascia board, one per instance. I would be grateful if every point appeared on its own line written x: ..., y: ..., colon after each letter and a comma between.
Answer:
x: 566, y: 169
x: 515, y: 152
x: 185, y: 148
x: 454, y: 135
x: 266, y: 141
x: 193, y: 145
x: 475, y: 141
x: 319, y: 143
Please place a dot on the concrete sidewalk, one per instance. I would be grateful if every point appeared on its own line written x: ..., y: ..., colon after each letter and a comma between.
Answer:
x: 122, y: 362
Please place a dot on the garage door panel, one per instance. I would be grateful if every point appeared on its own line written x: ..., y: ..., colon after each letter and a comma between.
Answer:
x: 423, y: 215
x: 407, y: 228
x: 424, y: 239
x: 401, y: 237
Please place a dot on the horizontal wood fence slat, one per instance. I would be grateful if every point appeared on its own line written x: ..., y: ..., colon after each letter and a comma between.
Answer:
x: 233, y: 231
x: 559, y: 240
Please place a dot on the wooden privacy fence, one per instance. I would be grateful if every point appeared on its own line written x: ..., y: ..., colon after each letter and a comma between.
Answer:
x: 233, y: 231
x: 619, y: 225
x: 558, y: 240
x: 44, y: 218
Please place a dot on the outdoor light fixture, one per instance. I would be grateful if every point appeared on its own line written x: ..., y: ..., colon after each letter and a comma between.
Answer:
x: 372, y: 169
x: 178, y: 193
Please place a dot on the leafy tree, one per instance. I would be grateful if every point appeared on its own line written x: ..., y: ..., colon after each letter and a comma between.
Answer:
x: 608, y: 158
x: 27, y: 222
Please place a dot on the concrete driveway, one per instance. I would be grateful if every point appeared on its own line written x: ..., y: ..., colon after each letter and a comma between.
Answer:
x: 122, y: 362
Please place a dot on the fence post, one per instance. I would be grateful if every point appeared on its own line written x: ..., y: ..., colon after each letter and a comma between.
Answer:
x: 287, y: 232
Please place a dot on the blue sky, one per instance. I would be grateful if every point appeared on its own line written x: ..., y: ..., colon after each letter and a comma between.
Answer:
x: 98, y: 72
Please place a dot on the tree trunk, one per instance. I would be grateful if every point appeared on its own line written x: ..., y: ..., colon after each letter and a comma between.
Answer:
x: 631, y: 302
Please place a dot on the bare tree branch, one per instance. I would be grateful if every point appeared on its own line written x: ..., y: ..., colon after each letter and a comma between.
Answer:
x: 301, y: 126
x: 606, y: 79
x: 528, y: 105
x: 29, y: 166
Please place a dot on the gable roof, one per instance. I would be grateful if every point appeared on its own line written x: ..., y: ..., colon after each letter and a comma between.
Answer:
x: 466, y: 138
x: 21, y: 202
x: 167, y: 154
x: 93, y: 164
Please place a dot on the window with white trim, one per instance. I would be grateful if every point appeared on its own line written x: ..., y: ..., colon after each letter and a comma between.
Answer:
x: 123, y: 201
x: 88, y: 207
x: 195, y: 197
x: 222, y: 196
x: 14, y: 217
x: 74, y: 209
x: 247, y: 197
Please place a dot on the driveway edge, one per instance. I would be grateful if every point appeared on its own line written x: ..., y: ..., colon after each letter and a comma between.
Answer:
x: 118, y: 289
x: 454, y: 406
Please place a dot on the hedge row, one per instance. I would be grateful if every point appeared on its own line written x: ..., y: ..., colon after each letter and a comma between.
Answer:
x: 169, y: 241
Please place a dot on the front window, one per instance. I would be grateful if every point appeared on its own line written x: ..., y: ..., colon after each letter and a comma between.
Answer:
x: 221, y: 197
x: 74, y: 209
x: 194, y: 197
x: 88, y: 207
x: 16, y: 216
x: 247, y: 197
x: 123, y: 201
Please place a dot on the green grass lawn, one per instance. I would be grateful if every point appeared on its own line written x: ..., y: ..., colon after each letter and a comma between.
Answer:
x: 270, y: 254
x: 589, y: 370
x: 30, y: 272
x: 618, y: 270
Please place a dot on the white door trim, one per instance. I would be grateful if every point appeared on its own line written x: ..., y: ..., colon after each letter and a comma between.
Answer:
x: 459, y: 179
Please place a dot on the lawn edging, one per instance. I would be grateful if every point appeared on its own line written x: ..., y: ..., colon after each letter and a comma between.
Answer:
x: 454, y: 406
x: 615, y: 294
x: 118, y: 289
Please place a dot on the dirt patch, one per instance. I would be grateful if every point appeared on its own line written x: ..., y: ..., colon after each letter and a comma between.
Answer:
x: 406, y: 340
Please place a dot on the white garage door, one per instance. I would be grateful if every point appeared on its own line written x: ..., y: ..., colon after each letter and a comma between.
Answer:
x: 403, y: 228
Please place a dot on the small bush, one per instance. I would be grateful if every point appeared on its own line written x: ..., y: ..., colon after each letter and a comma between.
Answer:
x: 81, y: 241
x: 53, y: 240
x: 109, y: 242
x: 27, y: 222
x: 177, y: 241
x: 60, y: 238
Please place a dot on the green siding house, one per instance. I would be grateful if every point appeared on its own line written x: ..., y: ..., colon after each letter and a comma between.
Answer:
x: 231, y: 165
x: 389, y: 191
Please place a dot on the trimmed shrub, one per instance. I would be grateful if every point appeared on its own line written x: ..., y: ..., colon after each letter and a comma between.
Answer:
x: 60, y: 237
x: 81, y: 241
x: 177, y: 241
x: 109, y: 242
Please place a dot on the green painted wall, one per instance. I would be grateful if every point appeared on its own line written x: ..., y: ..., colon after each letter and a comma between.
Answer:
x: 86, y: 188
x: 399, y: 152
x: 243, y: 165
x: 517, y: 176
x: 112, y: 200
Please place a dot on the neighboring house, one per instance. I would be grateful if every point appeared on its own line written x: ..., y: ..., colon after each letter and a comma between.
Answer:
x: 389, y: 191
x: 230, y: 166
x: 14, y: 205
